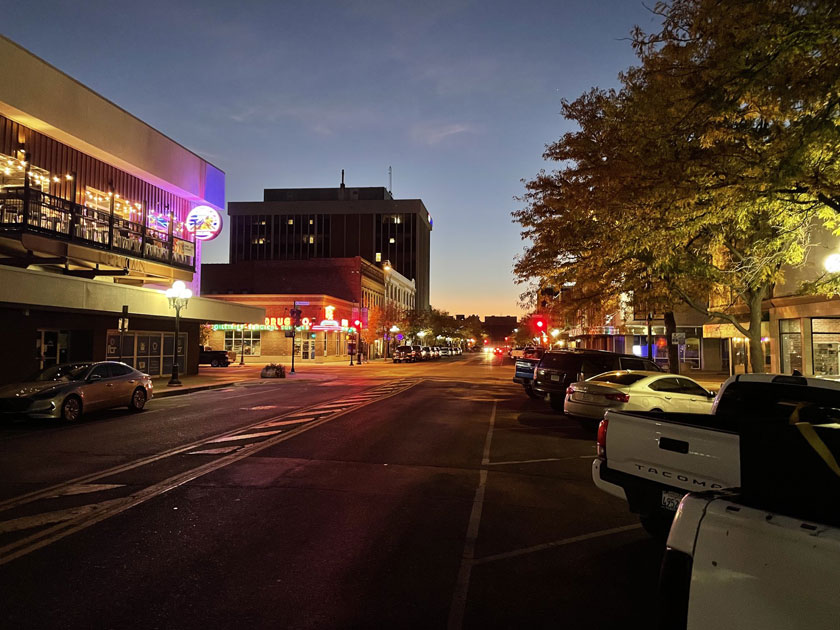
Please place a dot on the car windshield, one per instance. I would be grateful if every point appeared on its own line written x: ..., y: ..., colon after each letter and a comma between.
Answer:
x: 619, y: 378
x: 68, y: 372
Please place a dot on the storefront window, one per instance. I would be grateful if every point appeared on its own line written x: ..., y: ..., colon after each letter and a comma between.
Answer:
x: 790, y: 340
x: 234, y: 340
x: 150, y: 352
x: 825, y: 342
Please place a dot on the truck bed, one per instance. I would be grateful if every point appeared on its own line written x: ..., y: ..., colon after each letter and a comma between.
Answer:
x: 688, y: 451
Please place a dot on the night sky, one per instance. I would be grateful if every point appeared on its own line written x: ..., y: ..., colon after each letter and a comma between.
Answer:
x: 459, y: 98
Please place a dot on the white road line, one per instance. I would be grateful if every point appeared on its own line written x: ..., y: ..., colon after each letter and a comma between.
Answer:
x: 28, y: 522
x: 531, y: 461
x: 258, y: 408
x: 462, y: 586
x: 244, y: 436
x: 557, y: 543
x: 282, y: 423
x: 486, y: 458
x: 217, y: 451
x: 84, y: 488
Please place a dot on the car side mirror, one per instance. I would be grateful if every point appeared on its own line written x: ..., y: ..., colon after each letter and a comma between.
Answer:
x: 712, y: 394
x: 94, y: 377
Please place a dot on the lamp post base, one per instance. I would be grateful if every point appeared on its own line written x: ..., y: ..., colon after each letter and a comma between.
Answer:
x: 174, y: 383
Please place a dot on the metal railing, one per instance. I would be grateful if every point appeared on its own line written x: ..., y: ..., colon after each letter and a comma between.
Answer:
x: 53, y: 216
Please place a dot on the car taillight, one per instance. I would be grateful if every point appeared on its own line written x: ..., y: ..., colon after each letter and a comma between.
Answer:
x: 570, y: 390
x: 618, y: 397
x: 602, y: 438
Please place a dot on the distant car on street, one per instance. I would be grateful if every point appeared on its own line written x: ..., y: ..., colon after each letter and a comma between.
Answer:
x: 426, y: 353
x: 68, y: 390
x: 405, y: 354
x: 445, y: 351
x: 214, y: 358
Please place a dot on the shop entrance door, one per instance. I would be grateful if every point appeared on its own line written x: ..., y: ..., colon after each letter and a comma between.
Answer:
x: 52, y: 347
x: 308, y: 349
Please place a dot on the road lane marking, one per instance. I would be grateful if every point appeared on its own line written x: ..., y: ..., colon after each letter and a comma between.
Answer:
x: 462, y: 585
x: 99, y: 512
x: 536, y: 461
x: 557, y: 543
x: 85, y: 488
x: 58, y: 516
x: 217, y: 451
x: 282, y: 423
x: 258, y: 408
x: 244, y: 436
x: 51, y: 490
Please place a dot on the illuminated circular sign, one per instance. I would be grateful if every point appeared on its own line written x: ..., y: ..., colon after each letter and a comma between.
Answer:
x: 205, y: 222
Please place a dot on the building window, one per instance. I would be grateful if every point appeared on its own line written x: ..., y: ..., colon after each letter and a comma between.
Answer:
x: 291, y: 221
x: 392, y: 240
x: 790, y: 340
x: 825, y: 344
x: 234, y: 340
x: 378, y: 256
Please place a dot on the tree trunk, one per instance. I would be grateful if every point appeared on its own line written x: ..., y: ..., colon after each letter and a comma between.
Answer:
x: 756, y: 347
x: 673, y: 349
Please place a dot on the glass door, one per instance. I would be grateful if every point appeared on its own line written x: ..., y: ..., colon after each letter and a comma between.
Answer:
x: 51, y: 346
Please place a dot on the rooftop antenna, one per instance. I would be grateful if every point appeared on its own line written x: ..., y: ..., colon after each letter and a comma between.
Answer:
x: 342, y: 178
x: 390, y: 182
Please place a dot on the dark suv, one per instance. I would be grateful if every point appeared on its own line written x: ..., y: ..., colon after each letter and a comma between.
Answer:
x: 560, y: 368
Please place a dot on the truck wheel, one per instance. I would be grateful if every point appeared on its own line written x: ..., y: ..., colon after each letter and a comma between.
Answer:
x: 214, y: 363
x: 531, y: 393
x: 556, y: 404
x: 657, y: 525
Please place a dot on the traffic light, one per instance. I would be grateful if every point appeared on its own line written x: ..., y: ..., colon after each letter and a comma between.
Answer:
x: 358, y: 324
x: 294, y: 314
x: 539, y: 322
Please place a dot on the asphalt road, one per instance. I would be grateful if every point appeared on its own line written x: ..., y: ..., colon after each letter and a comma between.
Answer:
x: 414, y: 496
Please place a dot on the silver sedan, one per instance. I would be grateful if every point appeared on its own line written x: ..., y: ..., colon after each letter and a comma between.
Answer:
x: 636, y: 390
x: 68, y: 390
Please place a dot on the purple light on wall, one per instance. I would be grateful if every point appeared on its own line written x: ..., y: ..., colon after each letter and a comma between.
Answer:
x: 400, y: 337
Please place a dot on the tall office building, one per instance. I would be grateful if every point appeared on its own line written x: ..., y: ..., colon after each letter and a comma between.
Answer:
x: 304, y: 223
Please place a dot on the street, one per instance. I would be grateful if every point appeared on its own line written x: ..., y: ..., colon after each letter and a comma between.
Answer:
x: 426, y: 495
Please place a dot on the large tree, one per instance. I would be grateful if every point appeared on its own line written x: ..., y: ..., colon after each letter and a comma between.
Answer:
x: 705, y: 174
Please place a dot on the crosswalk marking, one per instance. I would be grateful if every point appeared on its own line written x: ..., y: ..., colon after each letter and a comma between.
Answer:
x: 58, y: 516
x: 85, y: 488
x: 245, y: 436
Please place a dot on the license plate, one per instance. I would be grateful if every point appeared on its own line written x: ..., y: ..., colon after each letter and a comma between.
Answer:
x: 584, y: 397
x: 671, y: 500
x: 555, y: 377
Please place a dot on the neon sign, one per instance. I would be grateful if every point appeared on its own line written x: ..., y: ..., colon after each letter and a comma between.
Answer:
x: 205, y: 222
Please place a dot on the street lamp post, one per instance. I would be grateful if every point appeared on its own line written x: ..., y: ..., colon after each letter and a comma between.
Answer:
x: 178, y: 296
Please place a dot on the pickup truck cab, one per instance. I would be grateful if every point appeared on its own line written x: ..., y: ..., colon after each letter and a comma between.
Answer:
x: 653, y: 459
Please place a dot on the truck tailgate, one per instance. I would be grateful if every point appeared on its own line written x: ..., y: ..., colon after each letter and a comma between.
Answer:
x: 677, y: 454
x: 525, y: 368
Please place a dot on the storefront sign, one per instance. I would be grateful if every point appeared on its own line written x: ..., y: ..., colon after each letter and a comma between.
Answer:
x: 205, y: 222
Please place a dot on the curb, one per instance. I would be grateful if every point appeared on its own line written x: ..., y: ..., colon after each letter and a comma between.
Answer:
x: 180, y: 391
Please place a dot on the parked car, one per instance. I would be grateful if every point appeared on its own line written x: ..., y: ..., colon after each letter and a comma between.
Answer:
x: 519, y: 351
x: 214, y: 358
x: 68, y: 390
x: 405, y: 354
x: 426, y: 353
x: 560, y: 368
x: 435, y: 352
x: 445, y: 352
x: 524, y: 370
x: 630, y: 390
x: 418, y: 352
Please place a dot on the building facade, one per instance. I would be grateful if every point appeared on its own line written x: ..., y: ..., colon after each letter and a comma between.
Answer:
x: 306, y: 223
x: 95, y: 211
x: 399, y: 290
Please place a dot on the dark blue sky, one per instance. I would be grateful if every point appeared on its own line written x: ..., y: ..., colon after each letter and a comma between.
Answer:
x: 459, y: 97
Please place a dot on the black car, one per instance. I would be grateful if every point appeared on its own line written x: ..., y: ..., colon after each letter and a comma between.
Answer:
x: 216, y: 358
x: 560, y: 368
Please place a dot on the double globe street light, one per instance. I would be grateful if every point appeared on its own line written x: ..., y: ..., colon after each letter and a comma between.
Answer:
x: 178, y: 296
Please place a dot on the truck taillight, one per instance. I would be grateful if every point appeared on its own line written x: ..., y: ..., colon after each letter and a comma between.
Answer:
x: 618, y: 397
x: 602, y: 438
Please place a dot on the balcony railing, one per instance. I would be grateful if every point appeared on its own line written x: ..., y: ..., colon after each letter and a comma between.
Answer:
x: 56, y: 217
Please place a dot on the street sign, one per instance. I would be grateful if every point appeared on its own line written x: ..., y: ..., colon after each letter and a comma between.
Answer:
x: 299, y: 303
x: 678, y: 338
x: 122, y: 324
x: 290, y: 333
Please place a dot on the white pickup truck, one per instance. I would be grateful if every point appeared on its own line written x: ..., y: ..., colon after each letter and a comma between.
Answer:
x: 730, y: 565
x: 652, y: 459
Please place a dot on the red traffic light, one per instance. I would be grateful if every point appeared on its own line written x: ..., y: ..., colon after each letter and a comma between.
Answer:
x: 358, y: 323
x: 540, y: 323
x: 486, y: 341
